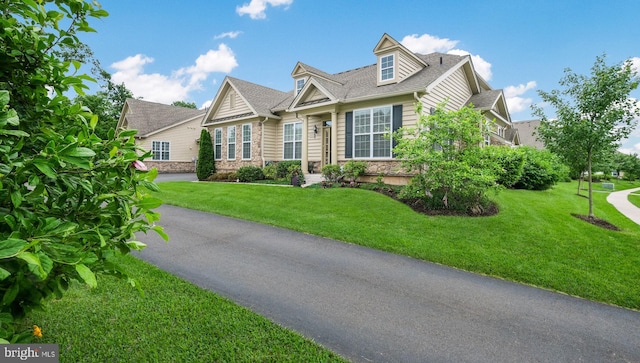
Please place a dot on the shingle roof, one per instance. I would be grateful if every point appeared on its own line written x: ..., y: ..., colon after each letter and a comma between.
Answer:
x: 526, y: 132
x: 148, y: 117
x: 262, y: 99
x: 362, y: 82
x: 485, y: 99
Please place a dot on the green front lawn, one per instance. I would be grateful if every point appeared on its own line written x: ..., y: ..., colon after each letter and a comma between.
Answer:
x: 175, y: 321
x: 534, y: 239
x: 634, y: 198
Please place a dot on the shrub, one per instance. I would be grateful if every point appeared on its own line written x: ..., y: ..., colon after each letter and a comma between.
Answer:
x: 283, y: 168
x: 206, y: 164
x: 541, y: 170
x: 250, y: 173
x: 269, y: 172
x: 353, y: 169
x: 508, y: 163
x: 295, y: 168
x: 331, y: 173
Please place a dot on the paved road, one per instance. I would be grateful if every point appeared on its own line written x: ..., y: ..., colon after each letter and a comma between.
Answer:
x: 371, y: 306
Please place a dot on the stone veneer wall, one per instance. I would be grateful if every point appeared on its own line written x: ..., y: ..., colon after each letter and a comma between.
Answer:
x: 172, y: 166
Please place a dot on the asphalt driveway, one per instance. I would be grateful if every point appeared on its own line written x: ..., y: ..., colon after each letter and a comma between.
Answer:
x: 371, y: 306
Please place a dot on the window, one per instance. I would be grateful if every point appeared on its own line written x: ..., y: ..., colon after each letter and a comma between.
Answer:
x: 299, y: 85
x: 387, y: 68
x: 293, y: 141
x: 160, y: 150
x: 217, y: 140
x: 371, y: 132
x: 231, y: 143
x: 246, y: 141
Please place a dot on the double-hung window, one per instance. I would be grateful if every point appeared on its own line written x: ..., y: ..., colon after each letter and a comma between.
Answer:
x: 217, y: 140
x: 292, y: 141
x: 246, y: 141
x: 160, y: 150
x: 371, y: 132
x: 299, y: 85
x: 387, y: 67
x: 231, y: 143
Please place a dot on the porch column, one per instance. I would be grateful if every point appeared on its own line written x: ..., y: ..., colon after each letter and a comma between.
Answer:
x: 334, y: 138
x: 304, y: 162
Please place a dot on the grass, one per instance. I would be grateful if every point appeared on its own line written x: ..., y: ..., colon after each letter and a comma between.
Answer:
x: 533, y: 240
x: 174, y: 321
x: 634, y: 198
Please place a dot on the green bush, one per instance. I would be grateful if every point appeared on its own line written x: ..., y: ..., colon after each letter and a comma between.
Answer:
x: 269, y: 172
x: 331, y: 173
x: 508, y: 163
x: 283, y: 168
x: 250, y: 173
x: 352, y: 169
x: 541, y: 170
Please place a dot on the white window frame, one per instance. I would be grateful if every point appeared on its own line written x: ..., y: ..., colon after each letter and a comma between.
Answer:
x: 387, y: 72
x: 300, y: 82
x: 217, y: 143
x: 231, y: 143
x: 295, y: 139
x: 373, y: 133
x: 161, y: 150
x: 246, y: 141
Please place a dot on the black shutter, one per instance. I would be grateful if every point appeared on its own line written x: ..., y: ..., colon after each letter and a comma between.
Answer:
x: 396, y: 122
x: 348, y: 138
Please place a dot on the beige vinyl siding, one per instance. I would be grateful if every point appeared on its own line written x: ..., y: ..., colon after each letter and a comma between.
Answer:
x: 314, y: 95
x: 455, y: 87
x: 279, y: 145
x: 231, y: 98
x: 407, y: 66
x: 270, y: 135
x: 314, y: 141
x: 182, y: 140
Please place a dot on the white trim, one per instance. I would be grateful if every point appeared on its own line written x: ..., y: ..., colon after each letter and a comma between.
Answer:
x: 294, y: 141
x: 235, y: 139
x: 217, y: 156
x: 393, y: 67
x: 245, y: 141
x: 162, y: 143
x: 371, y: 133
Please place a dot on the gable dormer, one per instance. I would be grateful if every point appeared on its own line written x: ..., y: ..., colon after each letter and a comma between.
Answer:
x: 395, y: 62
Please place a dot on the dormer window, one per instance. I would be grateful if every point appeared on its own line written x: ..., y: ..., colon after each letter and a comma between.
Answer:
x: 299, y: 85
x: 387, y: 67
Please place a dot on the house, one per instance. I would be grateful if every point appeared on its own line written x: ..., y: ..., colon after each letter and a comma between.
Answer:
x: 334, y: 118
x: 527, y: 131
x: 172, y: 133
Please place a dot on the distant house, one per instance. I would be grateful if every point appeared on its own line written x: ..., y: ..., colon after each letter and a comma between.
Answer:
x: 172, y: 133
x: 527, y: 130
x: 333, y: 118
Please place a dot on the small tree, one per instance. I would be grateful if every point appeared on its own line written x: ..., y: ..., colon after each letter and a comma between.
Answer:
x: 206, y: 162
x: 593, y: 114
x: 443, y: 148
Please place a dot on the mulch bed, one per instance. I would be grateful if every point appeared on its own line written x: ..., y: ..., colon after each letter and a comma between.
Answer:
x: 597, y: 222
x: 419, y: 206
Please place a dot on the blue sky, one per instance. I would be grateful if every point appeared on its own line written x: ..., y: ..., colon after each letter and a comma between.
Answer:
x: 167, y: 50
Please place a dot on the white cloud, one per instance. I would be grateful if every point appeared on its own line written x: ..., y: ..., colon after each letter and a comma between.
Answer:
x: 230, y: 35
x: 426, y: 43
x: 256, y: 8
x: 515, y: 103
x: 161, y: 88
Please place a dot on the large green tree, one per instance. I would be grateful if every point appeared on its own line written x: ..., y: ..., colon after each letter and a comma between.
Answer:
x: 70, y: 201
x: 593, y: 113
x: 444, y: 151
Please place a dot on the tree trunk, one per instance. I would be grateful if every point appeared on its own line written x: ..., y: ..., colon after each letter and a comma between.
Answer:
x: 591, y: 215
x: 580, y: 176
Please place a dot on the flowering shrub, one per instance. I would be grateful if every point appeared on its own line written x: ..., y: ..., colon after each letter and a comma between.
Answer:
x: 69, y: 200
